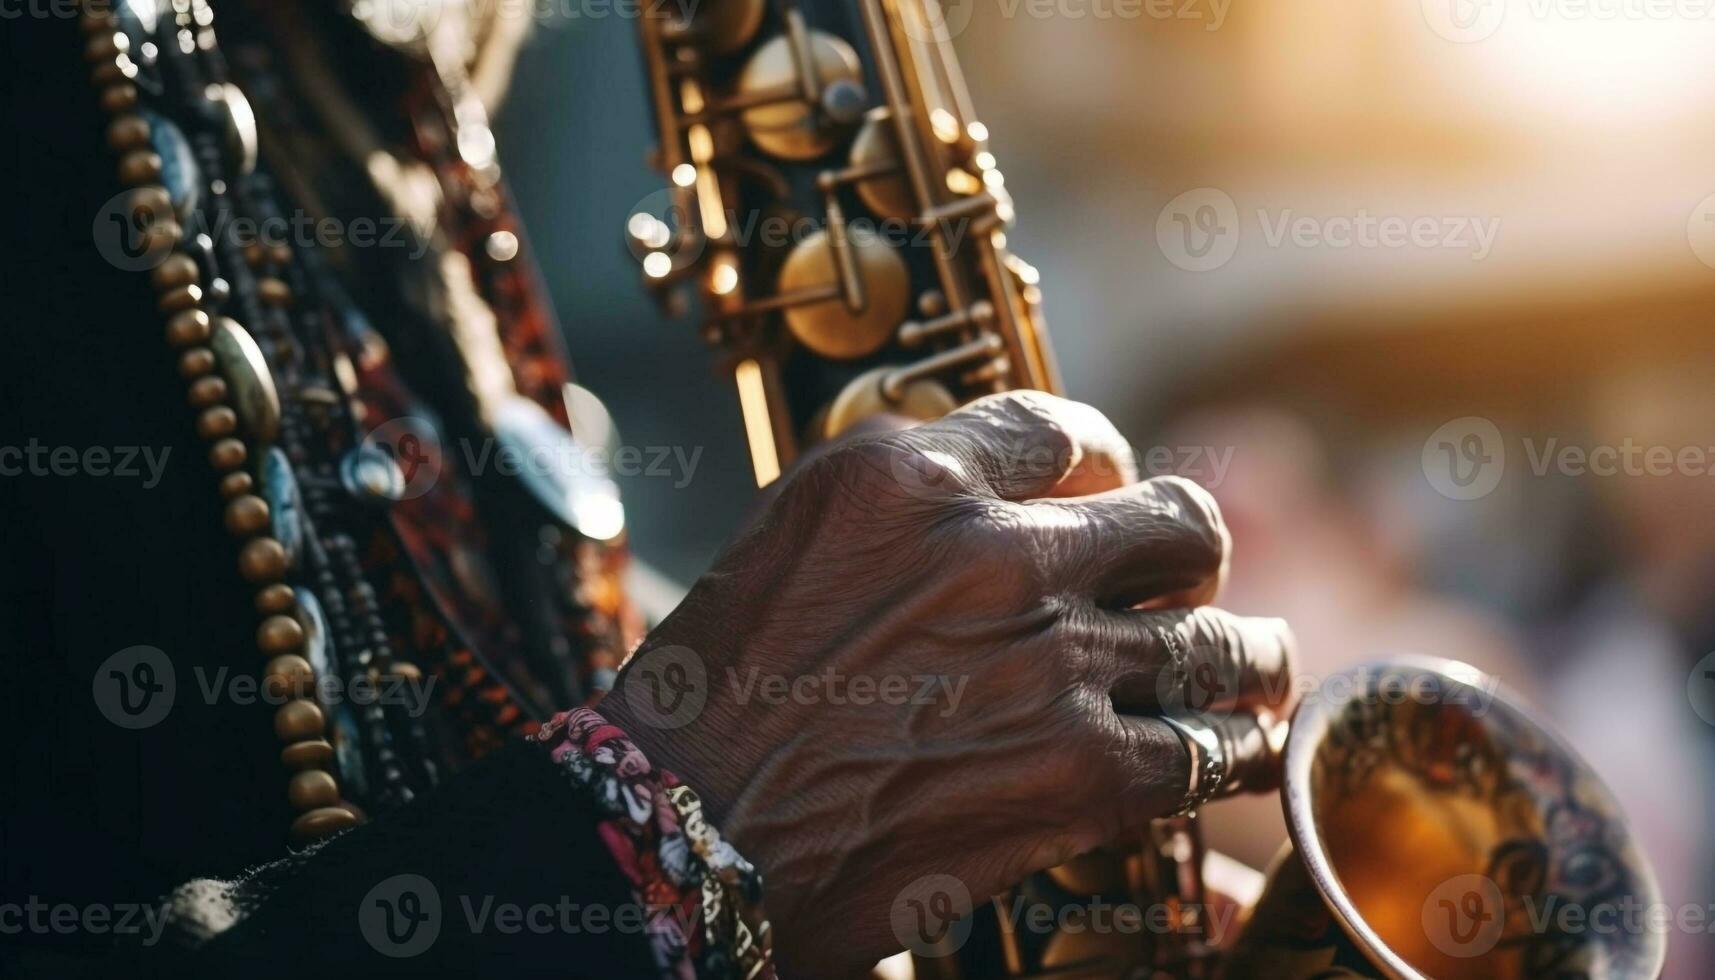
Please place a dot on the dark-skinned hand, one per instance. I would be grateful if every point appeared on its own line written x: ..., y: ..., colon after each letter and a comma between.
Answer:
x: 941, y: 655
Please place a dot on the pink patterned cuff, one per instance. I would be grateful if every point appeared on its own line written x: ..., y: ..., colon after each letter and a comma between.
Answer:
x: 702, y: 900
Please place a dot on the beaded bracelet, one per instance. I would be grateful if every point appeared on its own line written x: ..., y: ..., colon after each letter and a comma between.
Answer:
x: 702, y: 899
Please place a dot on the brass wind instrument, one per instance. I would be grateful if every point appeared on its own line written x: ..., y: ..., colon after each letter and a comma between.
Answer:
x: 764, y: 114
x: 835, y: 208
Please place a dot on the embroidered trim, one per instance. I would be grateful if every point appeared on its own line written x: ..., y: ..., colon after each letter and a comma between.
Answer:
x: 702, y: 900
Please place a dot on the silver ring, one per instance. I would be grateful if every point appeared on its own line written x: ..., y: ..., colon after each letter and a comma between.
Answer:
x: 1208, y: 761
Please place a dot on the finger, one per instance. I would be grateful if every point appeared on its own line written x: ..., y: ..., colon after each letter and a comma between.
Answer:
x: 1151, y: 764
x: 1147, y: 541
x: 1203, y: 662
x: 1022, y: 444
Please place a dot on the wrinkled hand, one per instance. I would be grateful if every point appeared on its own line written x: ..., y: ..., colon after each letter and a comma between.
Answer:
x: 910, y: 667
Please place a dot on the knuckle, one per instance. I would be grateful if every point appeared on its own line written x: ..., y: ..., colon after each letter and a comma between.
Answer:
x: 1026, y: 420
x: 1195, y: 508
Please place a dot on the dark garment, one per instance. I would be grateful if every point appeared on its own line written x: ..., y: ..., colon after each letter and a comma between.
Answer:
x: 93, y: 814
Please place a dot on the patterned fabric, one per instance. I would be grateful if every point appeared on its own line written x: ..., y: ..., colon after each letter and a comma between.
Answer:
x: 702, y: 900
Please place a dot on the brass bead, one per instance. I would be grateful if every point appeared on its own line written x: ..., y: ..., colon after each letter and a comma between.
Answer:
x: 150, y: 201
x: 280, y: 634
x: 119, y: 98
x: 182, y: 298
x: 236, y: 484
x: 216, y: 422
x: 318, y: 824
x: 207, y: 390
x: 253, y: 255
x: 262, y: 560
x: 96, y: 21
x: 276, y: 598
x: 195, y: 363
x: 178, y: 270
x: 310, y: 754
x: 297, y: 720
x: 405, y: 670
x: 246, y: 514
x: 188, y: 327
x: 112, y: 72
x: 288, y: 676
x: 311, y: 789
x: 227, y: 454
x: 279, y: 253
x: 105, y: 46
x: 159, y: 236
x: 139, y: 166
x: 274, y: 292
x: 127, y: 132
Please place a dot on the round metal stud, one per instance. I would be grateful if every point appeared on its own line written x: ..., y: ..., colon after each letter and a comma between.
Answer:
x: 274, y: 292
x: 121, y: 97
x: 239, y: 125
x: 139, y: 167
x: 246, y: 514
x: 127, y: 132
x: 299, y: 719
x: 206, y: 391
x: 312, y: 753
x: 182, y: 298
x: 178, y: 270
x: 276, y: 598
x: 227, y: 454
x: 187, y: 328
x: 288, y: 675
x: 279, y: 634
x: 262, y: 560
x: 195, y: 363
x: 252, y: 384
x: 321, y: 823
x: 311, y: 789
x: 235, y: 484
x: 792, y: 130
x: 830, y: 327
x: 371, y: 475
x: 216, y: 422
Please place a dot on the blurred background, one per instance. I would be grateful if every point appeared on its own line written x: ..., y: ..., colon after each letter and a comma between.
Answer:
x: 1421, y: 291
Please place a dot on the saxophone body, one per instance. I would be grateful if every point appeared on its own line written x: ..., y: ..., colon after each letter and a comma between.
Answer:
x: 834, y: 205
x: 834, y: 209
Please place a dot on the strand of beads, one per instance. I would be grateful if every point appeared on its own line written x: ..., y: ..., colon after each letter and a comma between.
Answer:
x: 237, y: 412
